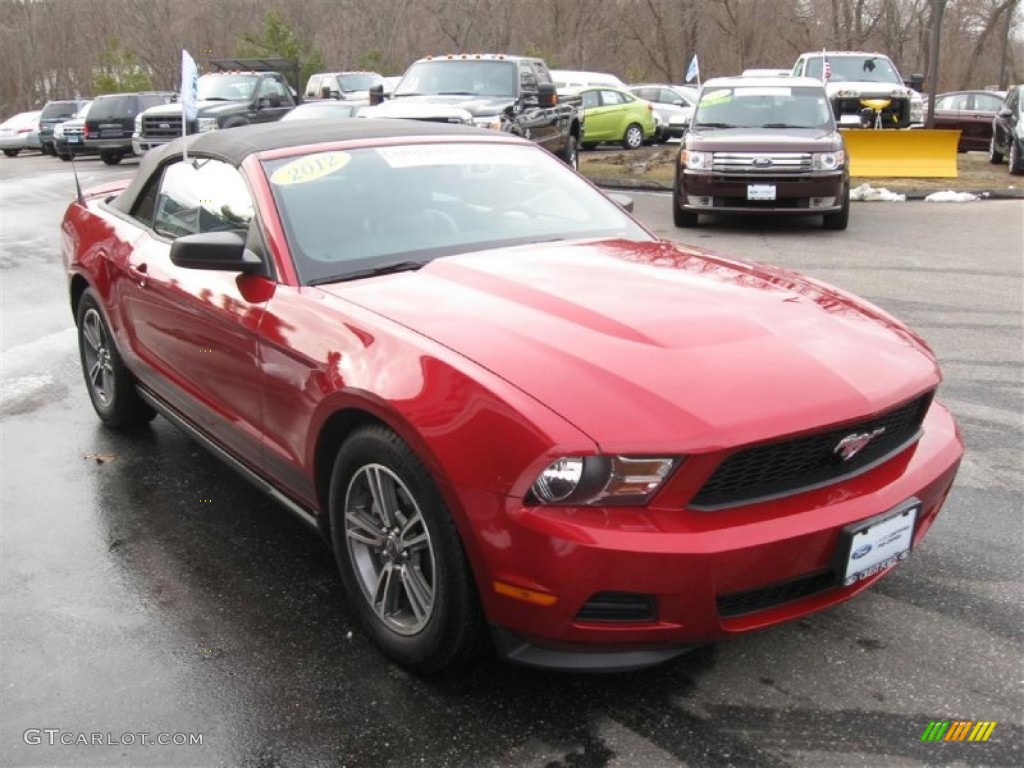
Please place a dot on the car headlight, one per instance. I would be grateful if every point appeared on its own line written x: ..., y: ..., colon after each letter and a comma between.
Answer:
x: 696, y: 161
x: 828, y: 161
x: 848, y: 93
x: 611, y: 480
x: 58, y: 131
x: 917, y: 110
x: 138, y: 124
x: 493, y: 122
x: 204, y: 124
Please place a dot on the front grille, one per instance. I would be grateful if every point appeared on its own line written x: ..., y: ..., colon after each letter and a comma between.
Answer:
x: 73, y: 132
x: 896, y: 115
x: 618, y: 606
x: 164, y: 127
x: 761, y: 598
x: 761, y: 162
x: 791, y: 466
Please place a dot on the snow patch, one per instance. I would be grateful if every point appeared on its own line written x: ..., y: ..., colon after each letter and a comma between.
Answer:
x: 950, y: 196
x: 868, y: 193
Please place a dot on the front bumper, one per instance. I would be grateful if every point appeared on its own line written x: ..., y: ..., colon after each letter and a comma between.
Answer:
x: 729, y: 193
x: 692, y: 565
x: 141, y: 145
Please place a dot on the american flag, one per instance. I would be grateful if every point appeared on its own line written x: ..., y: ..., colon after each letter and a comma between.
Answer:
x: 826, y: 70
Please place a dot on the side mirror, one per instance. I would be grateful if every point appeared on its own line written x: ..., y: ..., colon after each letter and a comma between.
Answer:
x: 917, y: 81
x: 1005, y: 112
x: 222, y: 251
x: 547, y: 95
x: 376, y: 95
x: 625, y: 202
x: 325, y: 92
x: 262, y: 102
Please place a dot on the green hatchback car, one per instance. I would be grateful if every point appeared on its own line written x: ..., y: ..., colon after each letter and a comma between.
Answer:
x: 614, y: 115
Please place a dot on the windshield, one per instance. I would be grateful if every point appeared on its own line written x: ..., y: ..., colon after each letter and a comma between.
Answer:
x: 870, y: 69
x: 764, y: 107
x: 362, y: 81
x: 348, y: 211
x: 454, y: 76
x: 227, y: 87
x: 57, y: 109
x: 122, y: 105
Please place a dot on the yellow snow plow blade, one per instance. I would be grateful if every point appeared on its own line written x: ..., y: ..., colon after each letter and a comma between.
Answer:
x: 917, y: 153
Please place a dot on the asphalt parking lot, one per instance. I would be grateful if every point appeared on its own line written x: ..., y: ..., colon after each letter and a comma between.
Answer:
x: 146, y: 589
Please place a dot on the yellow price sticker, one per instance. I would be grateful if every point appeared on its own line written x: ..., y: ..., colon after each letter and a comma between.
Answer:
x: 715, y: 97
x: 309, y: 168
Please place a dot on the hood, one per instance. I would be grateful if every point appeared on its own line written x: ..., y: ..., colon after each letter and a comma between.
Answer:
x: 647, y: 347
x: 477, y: 106
x: 764, y: 139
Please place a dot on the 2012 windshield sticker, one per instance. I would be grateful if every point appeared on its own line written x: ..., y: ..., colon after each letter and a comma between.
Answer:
x: 309, y: 168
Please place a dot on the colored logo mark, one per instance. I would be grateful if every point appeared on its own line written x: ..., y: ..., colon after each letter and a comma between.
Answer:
x: 958, y: 730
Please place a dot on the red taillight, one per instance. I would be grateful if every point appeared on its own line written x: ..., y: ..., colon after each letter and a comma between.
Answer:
x: 24, y: 130
x: 85, y: 131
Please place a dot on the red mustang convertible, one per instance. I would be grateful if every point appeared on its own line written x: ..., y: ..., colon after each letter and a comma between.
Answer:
x: 509, y: 409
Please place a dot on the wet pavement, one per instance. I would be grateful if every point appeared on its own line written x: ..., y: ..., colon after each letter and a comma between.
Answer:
x: 146, y: 589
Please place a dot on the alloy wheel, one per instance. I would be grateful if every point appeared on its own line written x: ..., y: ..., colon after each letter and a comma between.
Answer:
x: 99, y: 368
x: 390, y: 548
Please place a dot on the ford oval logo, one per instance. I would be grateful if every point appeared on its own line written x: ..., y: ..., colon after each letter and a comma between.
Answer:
x: 859, y: 552
x: 165, y: 125
x: 762, y: 162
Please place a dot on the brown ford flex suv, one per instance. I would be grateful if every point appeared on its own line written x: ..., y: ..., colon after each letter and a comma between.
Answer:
x: 762, y: 146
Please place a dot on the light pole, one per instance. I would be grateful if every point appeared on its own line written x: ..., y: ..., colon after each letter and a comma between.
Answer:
x: 938, y: 7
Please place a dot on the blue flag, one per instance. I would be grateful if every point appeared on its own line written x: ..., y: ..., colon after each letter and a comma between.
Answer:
x: 693, y: 71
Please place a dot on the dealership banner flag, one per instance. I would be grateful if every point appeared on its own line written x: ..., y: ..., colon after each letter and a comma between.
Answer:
x: 189, y: 90
x: 693, y: 71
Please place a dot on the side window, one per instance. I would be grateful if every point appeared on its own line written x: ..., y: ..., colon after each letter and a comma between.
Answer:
x: 527, y: 80
x: 1011, y: 100
x: 201, y: 196
x: 543, y: 75
x: 651, y: 94
x: 987, y: 102
x: 590, y: 99
x: 610, y: 98
x: 273, y: 89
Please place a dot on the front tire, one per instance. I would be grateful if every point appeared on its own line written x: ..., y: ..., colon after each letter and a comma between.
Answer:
x: 12, y: 152
x: 841, y: 218
x: 1016, y: 159
x: 994, y: 155
x: 111, y: 158
x: 400, y: 556
x: 570, y: 155
x: 633, y: 138
x: 110, y: 384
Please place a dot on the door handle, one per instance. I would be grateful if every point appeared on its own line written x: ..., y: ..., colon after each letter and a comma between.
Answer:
x: 138, y: 274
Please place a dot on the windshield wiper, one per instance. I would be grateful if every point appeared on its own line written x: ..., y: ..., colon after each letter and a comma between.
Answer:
x: 714, y: 125
x: 215, y: 98
x: 785, y: 125
x: 455, y: 93
x: 383, y: 269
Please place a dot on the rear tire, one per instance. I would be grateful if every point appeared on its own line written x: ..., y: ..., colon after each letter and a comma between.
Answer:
x: 633, y: 138
x: 110, y: 384
x: 1016, y: 159
x: 65, y: 156
x: 588, y: 145
x: 400, y: 556
x: 111, y: 158
x: 841, y: 218
x: 994, y: 155
x: 12, y: 152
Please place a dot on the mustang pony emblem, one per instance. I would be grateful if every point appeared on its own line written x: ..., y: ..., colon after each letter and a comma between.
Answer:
x: 853, y: 444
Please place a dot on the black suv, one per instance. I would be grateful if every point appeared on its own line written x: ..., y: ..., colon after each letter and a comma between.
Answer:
x: 111, y: 121
x: 53, y: 113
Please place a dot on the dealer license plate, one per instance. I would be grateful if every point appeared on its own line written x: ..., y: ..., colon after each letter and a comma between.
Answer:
x: 760, y: 192
x: 880, y: 542
x: 72, y: 139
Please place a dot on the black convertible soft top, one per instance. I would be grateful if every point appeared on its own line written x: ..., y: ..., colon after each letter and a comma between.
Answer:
x: 235, y: 144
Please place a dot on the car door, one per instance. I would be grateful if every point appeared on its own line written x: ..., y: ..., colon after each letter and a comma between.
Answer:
x: 1005, y: 120
x: 977, y: 129
x: 273, y: 100
x: 949, y: 111
x: 538, y: 123
x: 602, y: 123
x: 194, y: 331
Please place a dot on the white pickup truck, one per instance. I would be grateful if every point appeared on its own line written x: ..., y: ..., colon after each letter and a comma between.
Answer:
x: 853, y: 77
